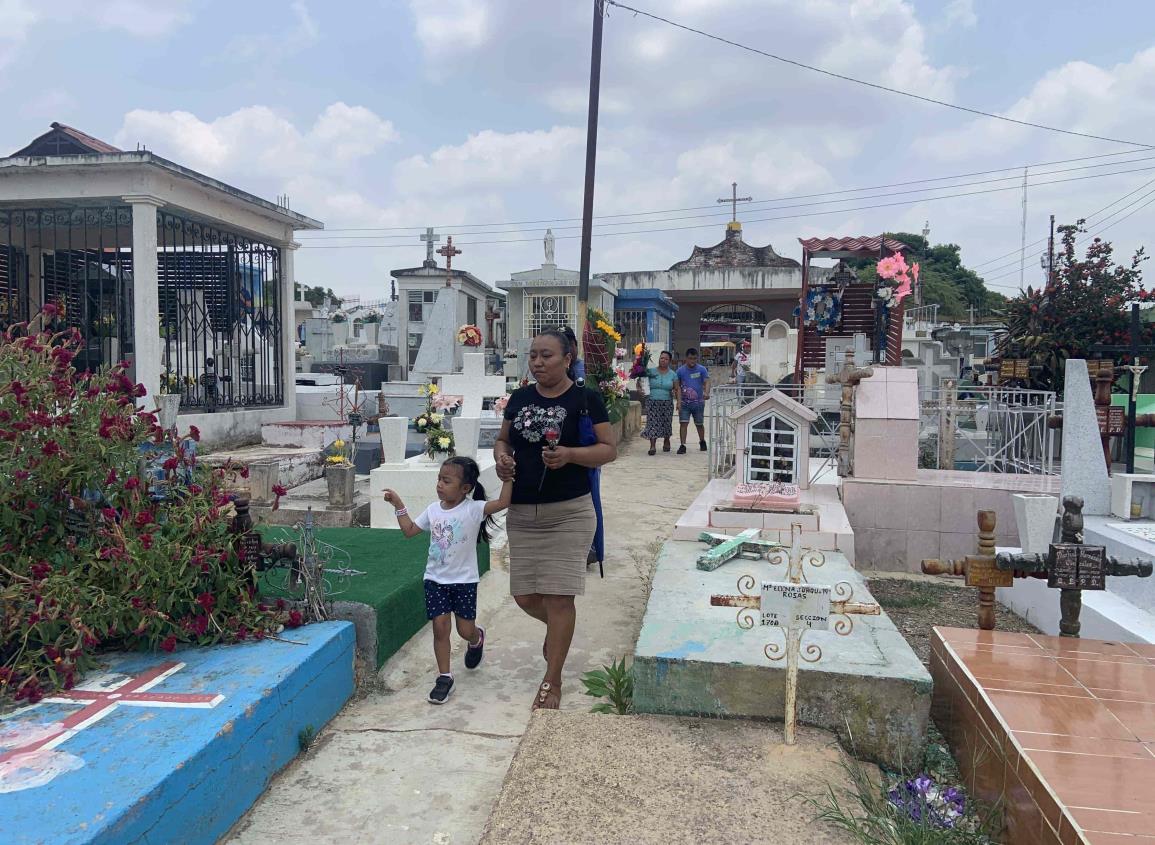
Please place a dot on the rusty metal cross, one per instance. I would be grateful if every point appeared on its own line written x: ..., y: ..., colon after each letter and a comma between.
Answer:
x: 734, y: 200
x: 795, y: 607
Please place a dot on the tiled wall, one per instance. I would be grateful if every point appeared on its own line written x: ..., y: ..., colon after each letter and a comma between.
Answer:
x: 897, y: 524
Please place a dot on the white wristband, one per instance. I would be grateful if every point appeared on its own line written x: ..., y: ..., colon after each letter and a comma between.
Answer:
x: 401, y: 512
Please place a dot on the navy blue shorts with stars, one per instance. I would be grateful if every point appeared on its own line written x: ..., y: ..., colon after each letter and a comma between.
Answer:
x: 458, y: 599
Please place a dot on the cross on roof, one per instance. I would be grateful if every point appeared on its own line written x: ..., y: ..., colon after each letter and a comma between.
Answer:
x: 449, y: 250
x: 734, y: 199
x: 430, y: 239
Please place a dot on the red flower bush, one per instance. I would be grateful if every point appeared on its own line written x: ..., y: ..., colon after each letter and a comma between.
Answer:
x: 88, y: 559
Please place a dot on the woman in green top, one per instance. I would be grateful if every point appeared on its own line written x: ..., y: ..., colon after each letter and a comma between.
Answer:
x: 660, y: 406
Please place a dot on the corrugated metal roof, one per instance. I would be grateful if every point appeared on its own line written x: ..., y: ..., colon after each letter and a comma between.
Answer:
x: 64, y: 140
x: 866, y: 246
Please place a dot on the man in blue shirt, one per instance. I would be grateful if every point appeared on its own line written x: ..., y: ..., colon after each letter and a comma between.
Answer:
x: 693, y: 391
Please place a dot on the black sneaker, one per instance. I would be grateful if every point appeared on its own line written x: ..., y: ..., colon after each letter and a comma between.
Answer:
x: 441, y: 689
x: 701, y: 445
x: 474, y: 653
x: 682, y: 449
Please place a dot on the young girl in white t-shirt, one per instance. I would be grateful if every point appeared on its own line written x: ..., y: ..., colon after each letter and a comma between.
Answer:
x: 456, y: 522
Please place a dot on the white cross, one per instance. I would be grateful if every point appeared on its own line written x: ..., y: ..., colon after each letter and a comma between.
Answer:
x: 430, y: 239
x: 862, y: 356
x: 473, y: 385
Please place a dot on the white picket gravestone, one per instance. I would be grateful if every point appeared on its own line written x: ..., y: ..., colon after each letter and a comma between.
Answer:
x: 473, y: 385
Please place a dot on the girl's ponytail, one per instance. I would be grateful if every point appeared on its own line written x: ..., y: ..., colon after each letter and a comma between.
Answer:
x: 471, y: 474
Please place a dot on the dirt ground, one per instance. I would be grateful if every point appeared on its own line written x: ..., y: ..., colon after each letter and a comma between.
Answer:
x: 916, y: 606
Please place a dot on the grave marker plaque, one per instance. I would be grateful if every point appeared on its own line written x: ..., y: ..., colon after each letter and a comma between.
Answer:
x: 786, y: 605
x: 1112, y: 420
x: 1077, y: 567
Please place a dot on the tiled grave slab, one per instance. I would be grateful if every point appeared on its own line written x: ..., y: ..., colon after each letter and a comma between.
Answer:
x: 169, y: 748
x: 1058, y: 729
x: 693, y: 659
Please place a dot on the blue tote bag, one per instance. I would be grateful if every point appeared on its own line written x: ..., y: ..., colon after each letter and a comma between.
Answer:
x: 588, y: 437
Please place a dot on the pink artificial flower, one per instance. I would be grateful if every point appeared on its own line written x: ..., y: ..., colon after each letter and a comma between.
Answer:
x: 914, y: 271
x: 892, y: 267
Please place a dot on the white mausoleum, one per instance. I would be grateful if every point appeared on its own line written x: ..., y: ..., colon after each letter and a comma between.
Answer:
x: 160, y: 266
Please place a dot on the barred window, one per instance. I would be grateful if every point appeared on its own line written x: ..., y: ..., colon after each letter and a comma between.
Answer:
x: 544, y: 312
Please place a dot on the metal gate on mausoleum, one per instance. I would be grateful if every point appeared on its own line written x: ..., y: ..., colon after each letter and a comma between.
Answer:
x: 219, y: 295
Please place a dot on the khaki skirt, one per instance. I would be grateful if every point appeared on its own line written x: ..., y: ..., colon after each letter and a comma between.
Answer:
x: 549, y: 545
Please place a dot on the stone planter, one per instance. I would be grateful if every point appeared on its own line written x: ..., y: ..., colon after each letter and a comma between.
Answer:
x: 168, y: 405
x: 340, y: 484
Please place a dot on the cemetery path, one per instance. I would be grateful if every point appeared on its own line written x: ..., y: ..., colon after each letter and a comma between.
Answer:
x: 391, y: 768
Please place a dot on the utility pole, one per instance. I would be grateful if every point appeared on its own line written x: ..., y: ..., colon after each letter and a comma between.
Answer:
x: 591, y: 162
x: 1023, y: 246
x: 1051, y: 254
x: 925, y: 253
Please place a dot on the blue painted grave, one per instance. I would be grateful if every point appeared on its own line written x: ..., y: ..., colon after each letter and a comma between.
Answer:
x: 168, y: 748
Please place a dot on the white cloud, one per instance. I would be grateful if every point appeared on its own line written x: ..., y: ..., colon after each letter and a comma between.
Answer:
x: 1079, y: 96
x: 490, y: 159
x: 960, y: 13
x: 139, y: 18
x: 445, y: 26
x: 271, y: 48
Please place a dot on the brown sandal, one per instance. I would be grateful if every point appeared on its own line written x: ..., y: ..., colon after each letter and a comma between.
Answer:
x: 548, y: 697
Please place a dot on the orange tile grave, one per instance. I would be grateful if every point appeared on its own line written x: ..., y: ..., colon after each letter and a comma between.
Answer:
x: 1061, y: 731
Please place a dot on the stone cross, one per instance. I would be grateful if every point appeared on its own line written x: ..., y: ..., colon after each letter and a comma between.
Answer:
x: 473, y: 385
x: 748, y: 545
x: 734, y: 200
x: 979, y: 569
x: 1071, y: 567
x: 796, y: 608
x: 849, y: 377
x: 430, y: 239
x: 449, y: 250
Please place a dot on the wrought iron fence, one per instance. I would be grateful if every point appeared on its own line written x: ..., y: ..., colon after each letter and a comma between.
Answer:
x: 220, y: 315
x: 987, y: 429
x: 78, y: 259
x: 726, y: 400
x: 992, y: 429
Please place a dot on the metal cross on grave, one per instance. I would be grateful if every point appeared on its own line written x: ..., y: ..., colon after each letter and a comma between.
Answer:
x: 449, y: 250
x: 795, y: 607
x: 1133, y: 349
x: 473, y: 385
x: 430, y: 239
x: 1071, y: 567
x: 734, y: 199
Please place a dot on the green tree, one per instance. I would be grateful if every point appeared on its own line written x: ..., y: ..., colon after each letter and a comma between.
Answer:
x: 1086, y: 303
x: 944, y: 280
x: 315, y: 295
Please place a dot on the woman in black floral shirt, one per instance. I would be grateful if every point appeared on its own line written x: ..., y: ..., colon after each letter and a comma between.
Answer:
x: 552, y: 521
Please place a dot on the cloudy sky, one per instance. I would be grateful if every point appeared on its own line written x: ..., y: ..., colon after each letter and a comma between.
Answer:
x: 382, y: 116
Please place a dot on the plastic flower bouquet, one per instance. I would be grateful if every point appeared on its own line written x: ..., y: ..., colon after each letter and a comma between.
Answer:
x: 469, y: 336
x: 438, y: 442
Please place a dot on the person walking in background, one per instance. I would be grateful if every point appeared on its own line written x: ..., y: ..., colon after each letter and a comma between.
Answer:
x: 660, y: 404
x: 741, y: 366
x: 694, y: 392
x: 552, y: 521
x: 456, y: 523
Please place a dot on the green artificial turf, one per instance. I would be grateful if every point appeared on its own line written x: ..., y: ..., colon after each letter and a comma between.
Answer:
x: 393, y: 583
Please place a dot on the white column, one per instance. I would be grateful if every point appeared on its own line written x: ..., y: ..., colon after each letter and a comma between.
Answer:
x: 146, y: 345
x: 289, y: 326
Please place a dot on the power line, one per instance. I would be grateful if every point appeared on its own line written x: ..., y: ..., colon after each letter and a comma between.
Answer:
x: 716, y: 214
x: 1149, y: 197
x: 413, y: 229
x: 1044, y: 240
x: 760, y: 219
x: 874, y: 85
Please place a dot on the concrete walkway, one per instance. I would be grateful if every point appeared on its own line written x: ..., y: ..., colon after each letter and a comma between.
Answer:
x: 394, y: 769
